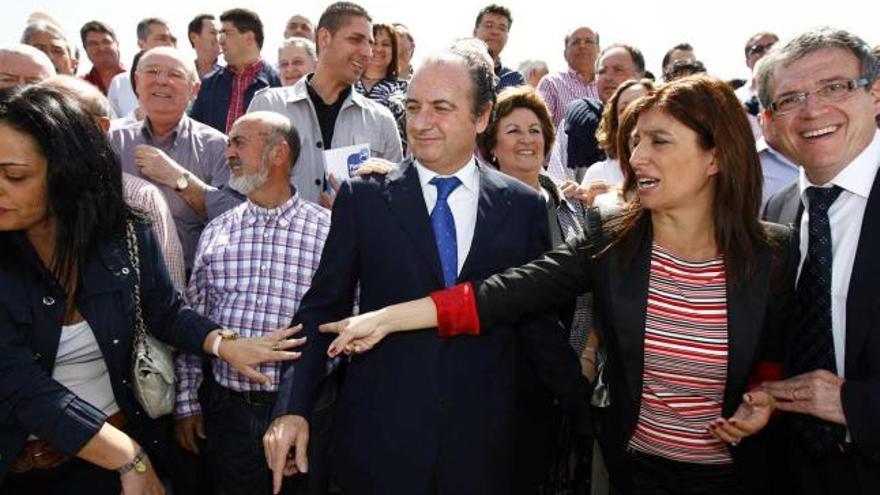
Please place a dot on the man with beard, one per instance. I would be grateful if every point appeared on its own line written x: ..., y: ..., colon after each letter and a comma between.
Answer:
x: 253, y: 265
x: 324, y: 108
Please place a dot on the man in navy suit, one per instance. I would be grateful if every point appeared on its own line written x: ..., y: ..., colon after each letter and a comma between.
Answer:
x: 419, y: 414
x: 821, y: 93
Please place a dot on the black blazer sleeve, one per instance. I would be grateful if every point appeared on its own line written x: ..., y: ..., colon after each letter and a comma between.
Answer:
x: 329, y: 298
x: 542, y: 285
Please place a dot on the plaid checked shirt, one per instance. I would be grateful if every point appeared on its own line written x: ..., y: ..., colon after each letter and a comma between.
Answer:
x: 561, y: 88
x: 252, y: 268
x: 240, y: 82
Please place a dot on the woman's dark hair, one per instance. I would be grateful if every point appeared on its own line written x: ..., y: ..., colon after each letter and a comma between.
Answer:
x: 606, y: 134
x: 391, y: 70
x: 83, y: 172
x: 509, y: 100
x: 710, y: 108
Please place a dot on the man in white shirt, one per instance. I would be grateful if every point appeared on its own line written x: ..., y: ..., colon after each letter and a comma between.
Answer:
x: 822, y: 92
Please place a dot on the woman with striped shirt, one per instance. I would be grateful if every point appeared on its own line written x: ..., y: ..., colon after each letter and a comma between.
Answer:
x: 691, y: 294
x: 380, y: 81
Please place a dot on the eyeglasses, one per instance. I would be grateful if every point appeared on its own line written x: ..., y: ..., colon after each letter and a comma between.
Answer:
x: 171, y: 75
x: 759, y: 49
x: 829, y: 93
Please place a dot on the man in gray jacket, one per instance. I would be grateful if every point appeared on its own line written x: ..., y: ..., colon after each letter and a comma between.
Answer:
x: 323, y: 106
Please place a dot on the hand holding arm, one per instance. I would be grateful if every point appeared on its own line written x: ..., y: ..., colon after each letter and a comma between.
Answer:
x: 162, y: 169
x: 816, y: 393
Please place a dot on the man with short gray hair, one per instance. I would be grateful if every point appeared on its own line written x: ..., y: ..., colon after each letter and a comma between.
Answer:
x: 185, y: 158
x: 423, y: 415
x: 49, y: 39
x: 151, y: 32
x: 821, y: 92
x: 23, y: 64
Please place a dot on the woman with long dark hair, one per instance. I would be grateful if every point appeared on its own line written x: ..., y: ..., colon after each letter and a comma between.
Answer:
x: 380, y: 81
x: 691, y: 293
x: 69, y: 287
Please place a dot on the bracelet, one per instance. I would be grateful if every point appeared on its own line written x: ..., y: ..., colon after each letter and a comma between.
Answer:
x: 137, y: 464
x: 215, y: 346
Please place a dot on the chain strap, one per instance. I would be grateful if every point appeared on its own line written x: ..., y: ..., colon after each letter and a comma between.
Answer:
x: 140, y: 327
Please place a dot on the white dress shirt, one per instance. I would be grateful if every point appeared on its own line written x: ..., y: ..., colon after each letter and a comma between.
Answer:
x: 462, y: 202
x: 845, y: 216
x: 121, y: 95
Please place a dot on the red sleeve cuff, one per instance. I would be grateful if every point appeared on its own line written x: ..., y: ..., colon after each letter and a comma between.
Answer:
x: 765, y: 372
x: 456, y: 311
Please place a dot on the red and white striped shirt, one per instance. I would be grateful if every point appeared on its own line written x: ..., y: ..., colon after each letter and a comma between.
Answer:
x: 241, y: 80
x: 685, y: 369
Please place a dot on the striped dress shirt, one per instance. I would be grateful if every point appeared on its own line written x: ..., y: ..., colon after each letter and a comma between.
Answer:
x: 562, y: 88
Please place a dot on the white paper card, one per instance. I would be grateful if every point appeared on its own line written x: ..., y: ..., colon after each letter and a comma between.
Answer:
x: 342, y: 163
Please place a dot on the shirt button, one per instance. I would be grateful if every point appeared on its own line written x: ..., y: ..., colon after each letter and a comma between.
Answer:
x: 266, y: 235
x: 48, y: 300
x: 124, y: 270
x: 320, y: 145
x: 115, y: 341
x: 263, y: 268
x: 124, y: 381
x: 318, y: 182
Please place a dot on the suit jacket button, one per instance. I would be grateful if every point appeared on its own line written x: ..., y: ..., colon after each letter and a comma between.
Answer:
x: 48, y: 300
x: 37, y: 356
x: 124, y: 270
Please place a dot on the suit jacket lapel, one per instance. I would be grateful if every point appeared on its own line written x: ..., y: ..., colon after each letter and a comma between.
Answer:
x: 862, y: 292
x: 492, y: 207
x: 745, y: 316
x: 403, y: 192
x: 629, y: 292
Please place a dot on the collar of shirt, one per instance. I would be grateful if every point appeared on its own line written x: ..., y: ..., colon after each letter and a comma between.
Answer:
x: 763, y: 146
x: 857, y: 177
x: 249, y: 71
x: 300, y: 91
x: 180, y: 130
x: 282, y: 213
x: 575, y: 75
x: 467, y: 175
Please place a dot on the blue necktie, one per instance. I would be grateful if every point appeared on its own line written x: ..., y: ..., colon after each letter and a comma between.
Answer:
x: 444, y: 228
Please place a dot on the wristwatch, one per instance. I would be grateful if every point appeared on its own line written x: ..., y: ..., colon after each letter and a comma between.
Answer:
x: 224, y: 334
x: 137, y: 464
x: 182, y: 182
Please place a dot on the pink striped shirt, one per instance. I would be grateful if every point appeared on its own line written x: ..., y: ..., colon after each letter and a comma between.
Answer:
x: 561, y: 88
x: 685, y: 369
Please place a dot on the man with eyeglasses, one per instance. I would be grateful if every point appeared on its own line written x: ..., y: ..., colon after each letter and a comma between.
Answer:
x: 23, y: 64
x: 578, y: 81
x: 821, y: 92
x: 756, y: 47
x: 185, y: 158
x: 492, y: 27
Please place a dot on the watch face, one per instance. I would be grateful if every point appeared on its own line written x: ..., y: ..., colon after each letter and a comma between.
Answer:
x: 182, y: 182
x: 228, y: 335
x: 140, y: 467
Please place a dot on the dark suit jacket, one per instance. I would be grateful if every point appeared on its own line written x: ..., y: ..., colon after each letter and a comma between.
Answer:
x: 582, y: 119
x: 31, y: 312
x: 419, y: 411
x: 757, y: 311
x: 861, y: 391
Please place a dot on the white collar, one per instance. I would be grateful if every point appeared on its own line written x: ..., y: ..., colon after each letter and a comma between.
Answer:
x: 858, y: 176
x: 466, y: 174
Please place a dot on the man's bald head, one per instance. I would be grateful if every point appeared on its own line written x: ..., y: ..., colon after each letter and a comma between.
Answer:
x: 90, y: 97
x: 23, y: 64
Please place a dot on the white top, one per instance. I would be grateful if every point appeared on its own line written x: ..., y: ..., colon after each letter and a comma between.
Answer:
x: 121, y: 95
x: 462, y: 202
x: 557, y: 163
x: 607, y: 170
x: 80, y: 366
x: 845, y: 216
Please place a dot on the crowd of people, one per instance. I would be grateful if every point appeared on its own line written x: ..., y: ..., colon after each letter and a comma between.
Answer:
x: 593, y: 281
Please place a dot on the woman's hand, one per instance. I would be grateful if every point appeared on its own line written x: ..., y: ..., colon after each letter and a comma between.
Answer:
x: 146, y: 483
x: 245, y: 354
x: 750, y: 417
x: 356, y: 334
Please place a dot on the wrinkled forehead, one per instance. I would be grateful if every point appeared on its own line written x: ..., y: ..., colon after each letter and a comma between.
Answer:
x: 813, y: 68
